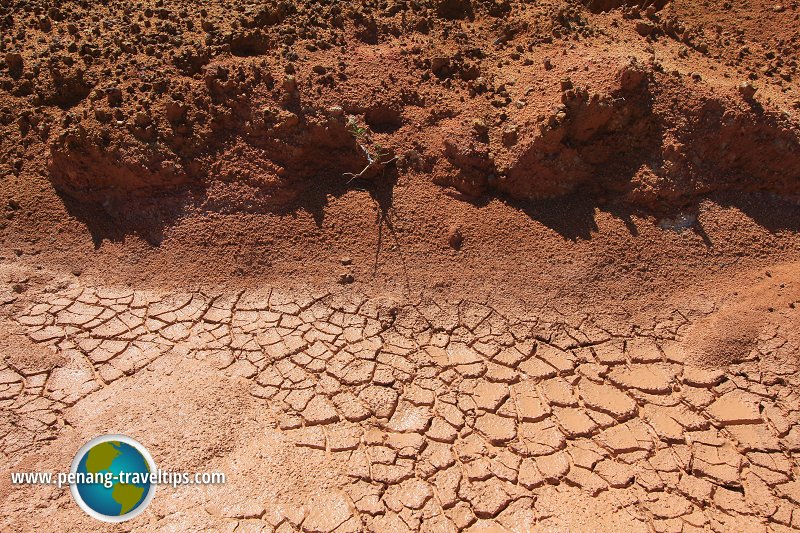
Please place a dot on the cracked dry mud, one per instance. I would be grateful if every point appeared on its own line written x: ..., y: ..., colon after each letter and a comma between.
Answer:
x: 563, y: 295
x: 430, y: 415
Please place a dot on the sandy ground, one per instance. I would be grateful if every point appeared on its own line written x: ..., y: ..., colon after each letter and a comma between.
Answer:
x: 405, y: 266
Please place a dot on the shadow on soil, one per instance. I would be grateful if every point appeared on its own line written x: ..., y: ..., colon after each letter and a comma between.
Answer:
x: 148, y: 218
x: 571, y: 216
x: 115, y: 220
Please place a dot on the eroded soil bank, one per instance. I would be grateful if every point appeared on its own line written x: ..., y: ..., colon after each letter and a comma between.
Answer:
x: 428, y: 265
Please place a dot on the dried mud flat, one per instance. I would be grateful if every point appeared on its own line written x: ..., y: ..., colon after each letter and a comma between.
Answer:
x: 440, y: 265
x: 337, y: 412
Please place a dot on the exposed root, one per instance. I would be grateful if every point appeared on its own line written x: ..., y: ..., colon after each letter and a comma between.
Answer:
x: 373, y: 162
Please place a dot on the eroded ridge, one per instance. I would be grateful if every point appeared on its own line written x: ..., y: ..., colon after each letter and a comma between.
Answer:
x: 448, y: 414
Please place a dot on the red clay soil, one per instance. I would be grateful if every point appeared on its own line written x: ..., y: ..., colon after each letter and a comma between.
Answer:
x: 561, y: 229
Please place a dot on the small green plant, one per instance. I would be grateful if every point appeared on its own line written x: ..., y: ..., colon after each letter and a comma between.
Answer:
x: 379, y: 152
x: 374, y: 153
x: 359, y: 132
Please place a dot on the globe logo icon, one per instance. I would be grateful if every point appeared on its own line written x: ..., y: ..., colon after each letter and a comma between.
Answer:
x: 113, y: 478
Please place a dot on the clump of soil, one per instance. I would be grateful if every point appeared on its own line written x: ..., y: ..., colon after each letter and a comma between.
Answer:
x: 633, y: 134
x: 166, y: 100
x: 758, y: 322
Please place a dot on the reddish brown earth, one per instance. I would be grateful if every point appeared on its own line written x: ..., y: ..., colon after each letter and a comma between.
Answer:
x: 435, y: 265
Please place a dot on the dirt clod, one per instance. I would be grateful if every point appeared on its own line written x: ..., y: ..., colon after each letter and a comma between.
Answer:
x: 455, y: 238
